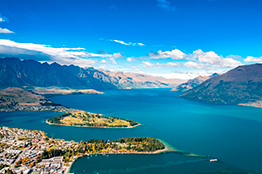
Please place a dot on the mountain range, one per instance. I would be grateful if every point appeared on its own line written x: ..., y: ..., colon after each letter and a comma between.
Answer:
x: 23, y: 73
x: 242, y: 85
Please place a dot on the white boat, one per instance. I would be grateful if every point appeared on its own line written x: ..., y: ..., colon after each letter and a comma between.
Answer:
x: 213, y: 160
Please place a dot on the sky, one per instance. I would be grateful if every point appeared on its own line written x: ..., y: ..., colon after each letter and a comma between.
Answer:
x: 168, y: 38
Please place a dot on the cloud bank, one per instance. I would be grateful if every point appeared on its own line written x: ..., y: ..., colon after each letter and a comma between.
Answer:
x: 198, y: 59
x: 253, y: 59
x: 46, y: 53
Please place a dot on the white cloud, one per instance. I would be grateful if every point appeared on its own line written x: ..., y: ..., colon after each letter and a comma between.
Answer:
x: 166, y: 5
x: 3, y: 19
x: 174, y: 54
x: 169, y: 64
x: 5, y: 30
x: 209, y: 57
x: 117, y: 55
x: 103, y: 61
x: 121, y: 42
x: 140, y: 44
x: 147, y: 64
x: 191, y: 64
x: 129, y: 59
x: 229, y: 63
x: 253, y: 59
x: 128, y: 43
x: 155, y: 65
x: 41, y: 52
x: 209, y: 60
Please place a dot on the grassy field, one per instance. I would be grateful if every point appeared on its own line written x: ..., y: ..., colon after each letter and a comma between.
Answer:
x: 91, y: 120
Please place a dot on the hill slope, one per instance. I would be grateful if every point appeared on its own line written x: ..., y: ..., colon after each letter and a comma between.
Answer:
x: 242, y: 85
x: 12, y: 96
x: 192, y: 83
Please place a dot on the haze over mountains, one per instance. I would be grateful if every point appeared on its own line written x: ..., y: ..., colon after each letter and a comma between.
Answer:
x: 242, y: 85
x: 19, y: 73
x: 133, y: 80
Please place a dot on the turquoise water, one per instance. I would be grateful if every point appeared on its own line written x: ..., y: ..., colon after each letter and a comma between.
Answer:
x: 233, y: 134
x: 153, y: 164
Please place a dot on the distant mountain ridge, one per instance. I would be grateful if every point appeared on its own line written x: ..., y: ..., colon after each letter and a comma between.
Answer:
x: 242, y: 85
x: 132, y: 80
x: 192, y: 83
x: 19, y: 73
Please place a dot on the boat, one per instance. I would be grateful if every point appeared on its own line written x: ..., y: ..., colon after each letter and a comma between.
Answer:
x: 213, y: 160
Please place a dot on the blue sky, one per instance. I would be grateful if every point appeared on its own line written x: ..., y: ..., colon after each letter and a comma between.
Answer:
x: 170, y: 38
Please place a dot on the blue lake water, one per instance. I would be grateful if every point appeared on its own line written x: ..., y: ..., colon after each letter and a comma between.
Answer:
x: 233, y: 134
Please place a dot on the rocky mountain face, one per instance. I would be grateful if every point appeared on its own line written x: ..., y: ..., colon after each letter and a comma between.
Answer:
x: 19, y: 73
x: 14, y: 72
x: 242, y: 85
x: 192, y: 83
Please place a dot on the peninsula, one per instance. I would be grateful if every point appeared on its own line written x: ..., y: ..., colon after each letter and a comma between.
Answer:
x: 87, y: 119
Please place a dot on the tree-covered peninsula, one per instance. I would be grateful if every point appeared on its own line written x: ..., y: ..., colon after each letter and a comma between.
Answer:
x: 134, y: 145
x: 86, y: 119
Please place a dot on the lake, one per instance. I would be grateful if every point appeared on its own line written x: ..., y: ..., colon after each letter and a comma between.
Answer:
x: 230, y: 133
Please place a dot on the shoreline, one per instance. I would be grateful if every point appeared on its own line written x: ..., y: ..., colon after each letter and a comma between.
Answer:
x: 129, y: 127
x: 168, y: 148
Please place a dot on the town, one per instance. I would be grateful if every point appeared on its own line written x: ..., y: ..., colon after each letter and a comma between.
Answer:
x: 21, y: 152
x: 25, y: 151
x: 56, y: 108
